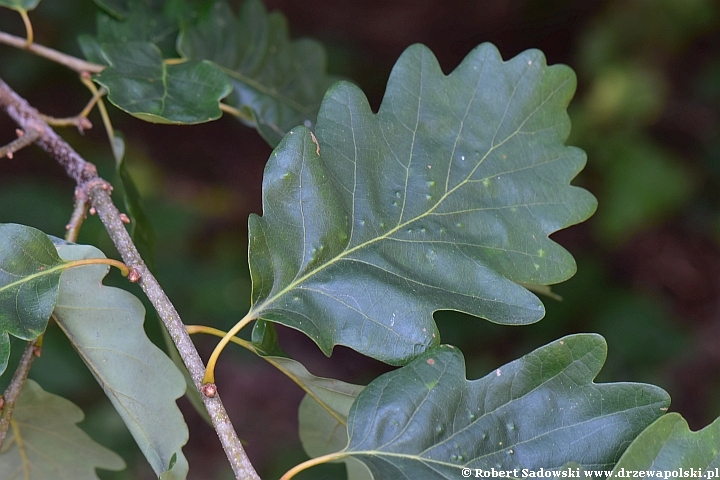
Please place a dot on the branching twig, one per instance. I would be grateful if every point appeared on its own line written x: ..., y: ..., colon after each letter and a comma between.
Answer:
x: 80, y: 120
x: 13, y: 390
x: 24, y: 139
x: 98, y: 191
x: 78, y: 216
x: 69, y: 61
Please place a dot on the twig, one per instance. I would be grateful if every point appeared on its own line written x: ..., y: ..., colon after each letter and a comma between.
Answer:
x: 98, y: 191
x: 78, y: 216
x: 24, y: 139
x: 80, y: 120
x: 69, y: 61
x: 13, y: 390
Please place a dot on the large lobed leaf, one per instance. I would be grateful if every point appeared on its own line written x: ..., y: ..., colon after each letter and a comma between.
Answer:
x: 442, y: 200
x: 427, y: 421
x: 279, y: 82
x: 669, y: 445
x: 30, y: 270
x: 105, y: 325
x: 45, y: 443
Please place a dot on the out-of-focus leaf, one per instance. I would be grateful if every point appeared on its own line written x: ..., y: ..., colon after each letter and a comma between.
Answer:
x: 119, y: 9
x: 443, y: 200
x: 44, y: 442
x: 278, y: 82
x: 20, y: 5
x: 625, y: 95
x: 30, y: 270
x: 141, y: 83
x: 643, y: 184
x: 105, y: 325
x: 425, y: 420
x: 668, y: 444
x: 131, y: 21
x: 141, y: 229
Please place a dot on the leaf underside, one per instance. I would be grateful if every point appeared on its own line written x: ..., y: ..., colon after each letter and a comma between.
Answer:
x: 20, y: 5
x: 29, y: 277
x: 105, y: 325
x: 668, y: 444
x: 444, y: 199
x: 45, y: 443
x: 427, y: 421
x: 321, y: 433
x: 280, y: 82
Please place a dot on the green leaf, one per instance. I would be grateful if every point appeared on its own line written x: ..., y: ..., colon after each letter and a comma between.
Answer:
x: 278, y: 82
x: 19, y: 5
x: 141, y: 229
x: 668, y: 444
x: 105, y: 325
x: 323, y: 432
x: 442, y: 200
x: 643, y: 185
x: 425, y: 420
x: 139, y: 82
x: 117, y: 8
x: 324, y: 409
x: 131, y: 21
x: 30, y: 270
x: 44, y: 442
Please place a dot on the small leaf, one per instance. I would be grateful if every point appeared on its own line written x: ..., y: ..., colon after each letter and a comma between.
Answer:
x: 321, y: 432
x: 24, y: 5
x: 324, y: 409
x: 330, y: 394
x: 668, y: 444
x: 30, y: 270
x: 44, y: 442
x: 425, y: 420
x: 281, y: 82
x: 444, y: 199
x: 139, y: 82
x: 105, y: 325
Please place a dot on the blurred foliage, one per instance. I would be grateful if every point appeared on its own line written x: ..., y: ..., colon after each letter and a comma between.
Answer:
x: 647, y: 113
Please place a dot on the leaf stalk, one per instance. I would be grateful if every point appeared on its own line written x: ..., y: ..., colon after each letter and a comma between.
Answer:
x: 311, y: 463
x: 193, y: 329
x: 209, y: 376
x: 29, y: 35
x: 98, y: 192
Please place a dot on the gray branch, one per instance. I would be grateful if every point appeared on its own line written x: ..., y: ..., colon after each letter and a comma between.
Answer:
x: 98, y: 193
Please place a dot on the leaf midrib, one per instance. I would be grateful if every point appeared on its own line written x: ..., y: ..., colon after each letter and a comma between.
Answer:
x: 30, y: 278
x: 266, y: 90
x: 345, y: 253
x: 255, y: 312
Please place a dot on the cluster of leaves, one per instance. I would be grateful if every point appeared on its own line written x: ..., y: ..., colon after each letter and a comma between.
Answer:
x: 443, y: 199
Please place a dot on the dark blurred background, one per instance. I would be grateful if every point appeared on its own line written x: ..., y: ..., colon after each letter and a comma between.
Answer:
x: 647, y: 112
